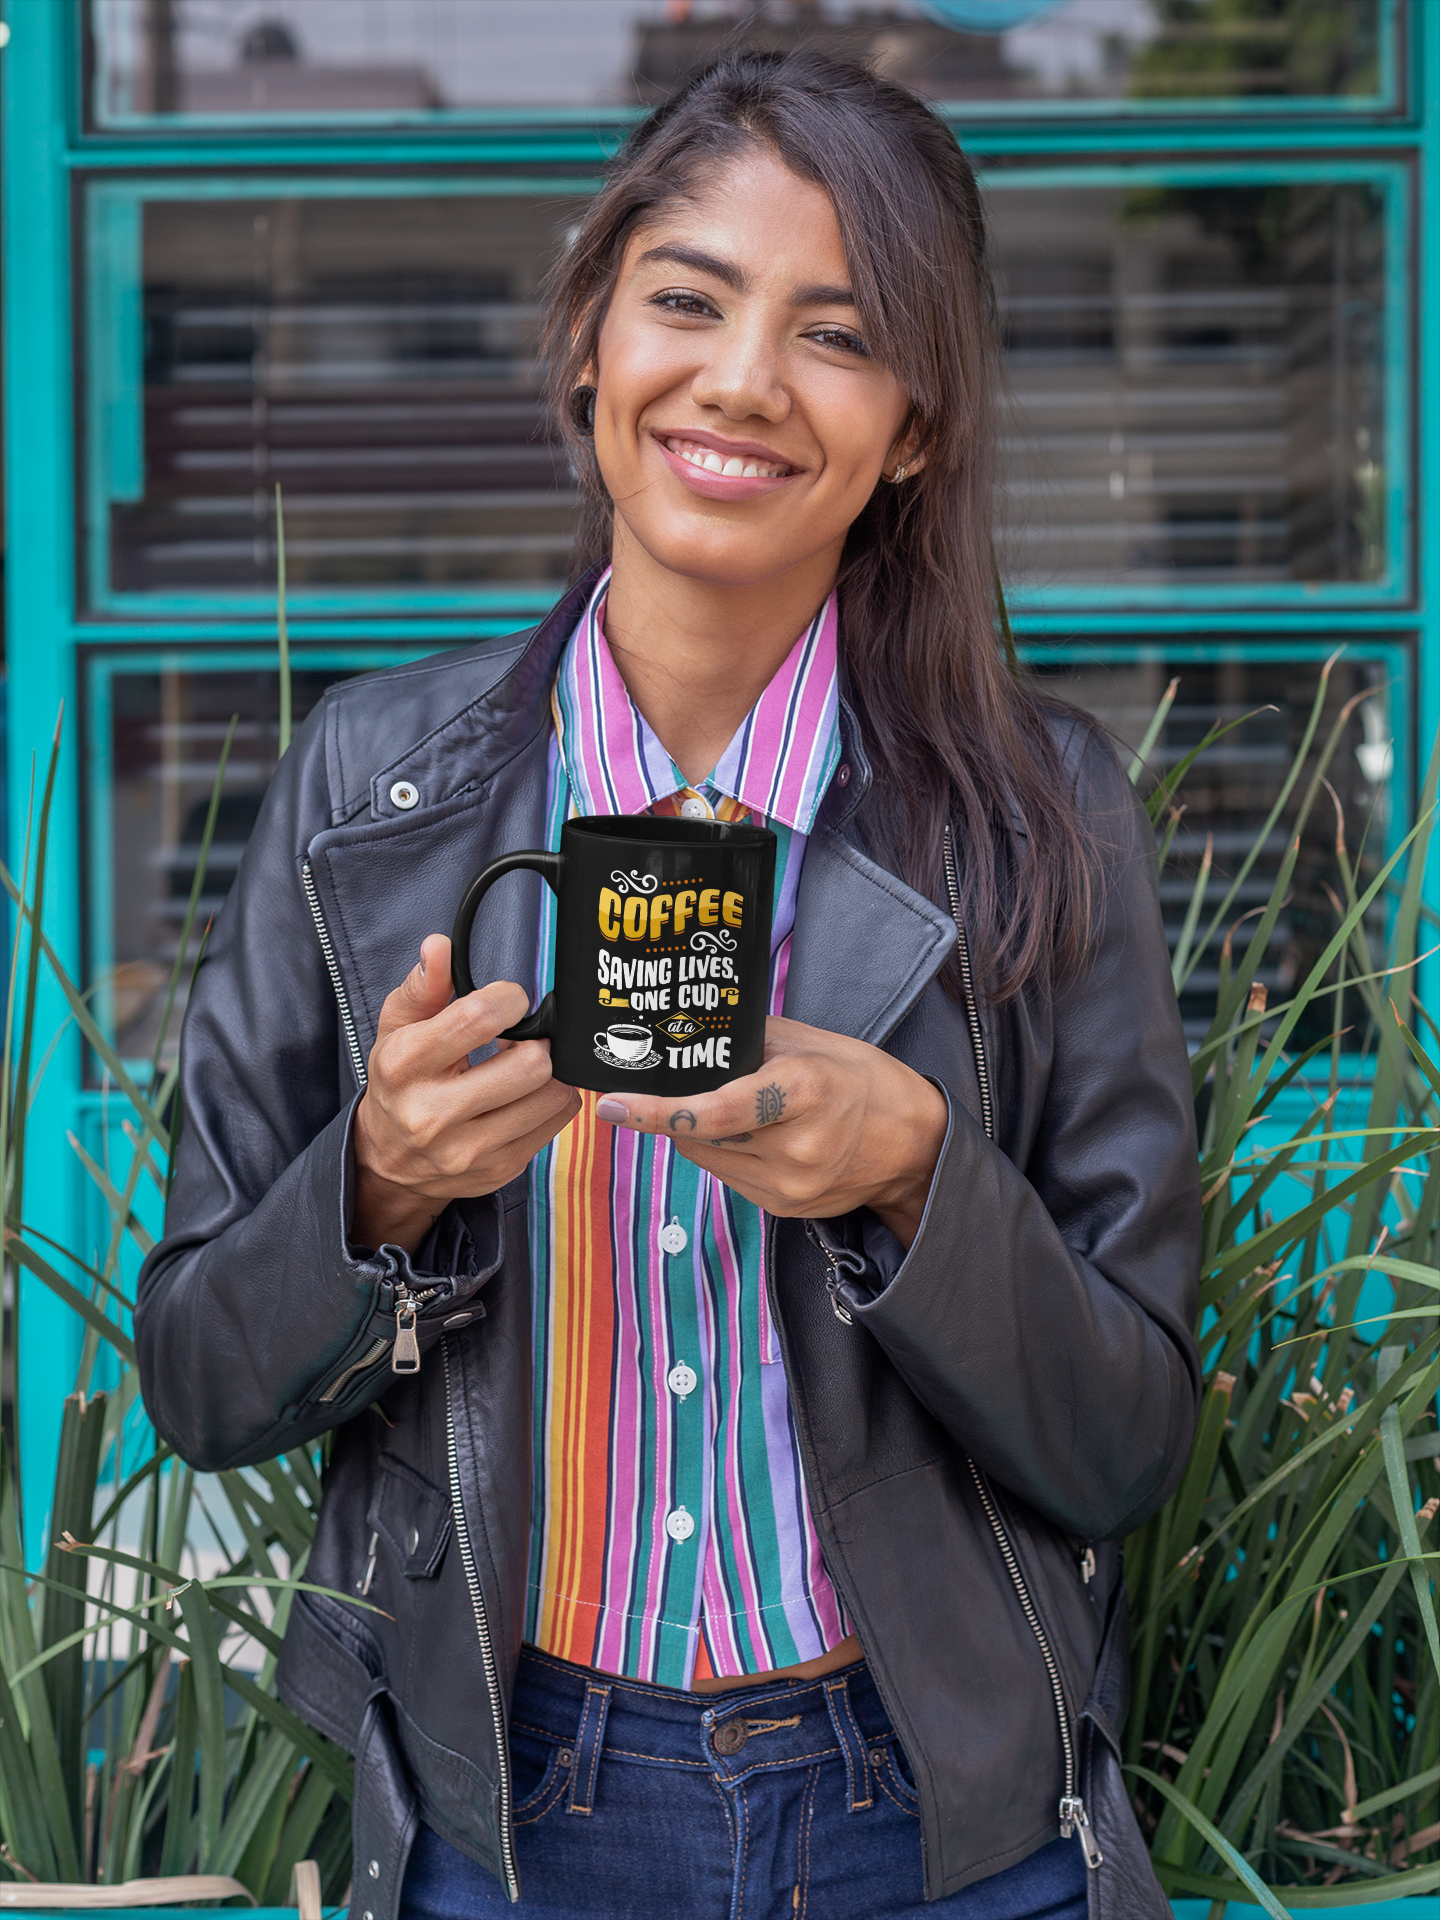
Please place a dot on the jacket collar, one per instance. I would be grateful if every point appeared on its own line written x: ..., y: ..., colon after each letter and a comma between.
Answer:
x: 472, y: 745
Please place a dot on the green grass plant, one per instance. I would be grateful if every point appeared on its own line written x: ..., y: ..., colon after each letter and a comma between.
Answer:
x: 1285, y: 1730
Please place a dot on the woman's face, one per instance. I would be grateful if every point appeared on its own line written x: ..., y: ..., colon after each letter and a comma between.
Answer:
x: 740, y: 421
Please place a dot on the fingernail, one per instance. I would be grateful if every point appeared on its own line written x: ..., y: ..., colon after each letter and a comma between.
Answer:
x: 422, y: 963
x: 615, y: 1111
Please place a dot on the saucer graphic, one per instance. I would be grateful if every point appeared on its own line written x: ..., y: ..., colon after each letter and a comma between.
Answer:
x: 652, y: 1059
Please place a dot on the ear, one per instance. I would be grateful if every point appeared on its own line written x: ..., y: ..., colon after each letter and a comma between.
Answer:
x: 903, y: 462
x: 905, y: 450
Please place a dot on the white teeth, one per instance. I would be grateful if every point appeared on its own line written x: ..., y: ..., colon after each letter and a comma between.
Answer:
x: 733, y: 468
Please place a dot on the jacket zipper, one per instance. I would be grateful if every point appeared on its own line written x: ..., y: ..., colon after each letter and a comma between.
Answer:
x: 352, y: 1038
x: 405, y: 1352
x: 1073, y: 1817
x: 967, y: 981
x: 482, y: 1632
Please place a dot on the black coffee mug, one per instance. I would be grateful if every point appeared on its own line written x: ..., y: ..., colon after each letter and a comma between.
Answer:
x: 662, y: 951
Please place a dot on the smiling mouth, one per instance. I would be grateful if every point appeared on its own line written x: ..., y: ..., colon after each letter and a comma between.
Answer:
x: 733, y: 467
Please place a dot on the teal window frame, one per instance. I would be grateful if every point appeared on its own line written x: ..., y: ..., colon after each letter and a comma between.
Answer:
x: 113, y: 410
x: 46, y: 151
x: 1388, y: 100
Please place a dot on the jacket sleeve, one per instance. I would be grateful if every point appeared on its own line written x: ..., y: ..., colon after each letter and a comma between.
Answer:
x: 1045, y: 1313
x: 254, y: 1302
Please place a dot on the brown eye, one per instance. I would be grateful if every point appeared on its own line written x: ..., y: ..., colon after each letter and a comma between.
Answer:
x: 693, y: 306
x: 840, y: 340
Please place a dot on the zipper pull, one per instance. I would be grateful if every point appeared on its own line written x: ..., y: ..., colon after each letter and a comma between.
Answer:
x: 1087, y: 1565
x: 406, y: 1357
x: 362, y: 1587
x: 837, y: 1304
x: 1074, y: 1819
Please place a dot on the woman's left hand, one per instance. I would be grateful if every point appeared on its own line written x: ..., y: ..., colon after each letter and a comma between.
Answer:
x: 828, y: 1124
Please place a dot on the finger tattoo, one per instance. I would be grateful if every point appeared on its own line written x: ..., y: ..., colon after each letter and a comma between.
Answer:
x: 682, y: 1113
x: 733, y: 1140
x: 769, y: 1104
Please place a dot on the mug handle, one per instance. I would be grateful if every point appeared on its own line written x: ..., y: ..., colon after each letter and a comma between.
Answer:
x: 539, y: 1025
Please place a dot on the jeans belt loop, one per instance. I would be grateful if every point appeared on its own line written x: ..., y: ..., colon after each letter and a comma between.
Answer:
x: 588, y: 1743
x: 852, y: 1745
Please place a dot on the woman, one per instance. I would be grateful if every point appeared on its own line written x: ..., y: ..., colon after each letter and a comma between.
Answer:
x: 730, y: 1483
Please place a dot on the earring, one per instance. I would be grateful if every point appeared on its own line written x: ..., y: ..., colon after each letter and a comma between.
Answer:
x: 899, y: 474
x: 582, y: 411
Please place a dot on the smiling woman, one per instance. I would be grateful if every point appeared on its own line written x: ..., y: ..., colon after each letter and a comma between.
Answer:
x: 778, y: 1435
x: 802, y: 262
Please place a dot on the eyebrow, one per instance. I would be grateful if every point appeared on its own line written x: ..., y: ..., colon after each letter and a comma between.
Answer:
x: 724, y: 270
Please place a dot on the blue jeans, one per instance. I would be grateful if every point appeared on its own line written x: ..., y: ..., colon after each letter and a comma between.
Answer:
x: 759, y: 1803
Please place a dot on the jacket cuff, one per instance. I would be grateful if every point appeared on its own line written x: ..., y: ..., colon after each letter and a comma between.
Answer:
x: 866, y: 1260
x: 464, y: 1247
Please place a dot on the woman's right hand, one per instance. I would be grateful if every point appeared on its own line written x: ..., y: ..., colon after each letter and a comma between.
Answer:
x: 431, y: 1128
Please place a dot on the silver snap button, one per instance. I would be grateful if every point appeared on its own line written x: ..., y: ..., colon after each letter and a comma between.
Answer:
x: 456, y: 1320
x: 682, y: 1380
x: 877, y: 1758
x: 842, y: 773
x: 412, y: 1540
x: 674, y: 1239
x: 404, y: 796
x: 679, y: 1525
x: 564, y: 1757
x: 374, y: 1869
x: 694, y: 809
x: 367, y: 1915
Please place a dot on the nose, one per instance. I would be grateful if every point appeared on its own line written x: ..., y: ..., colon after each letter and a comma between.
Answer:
x: 742, y: 376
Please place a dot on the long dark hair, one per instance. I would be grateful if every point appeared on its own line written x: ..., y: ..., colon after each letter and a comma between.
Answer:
x: 952, y: 726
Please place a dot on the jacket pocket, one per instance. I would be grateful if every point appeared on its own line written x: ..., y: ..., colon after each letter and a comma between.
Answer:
x: 411, y: 1516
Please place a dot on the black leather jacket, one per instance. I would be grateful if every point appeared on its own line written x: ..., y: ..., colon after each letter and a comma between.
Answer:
x: 1016, y: 1392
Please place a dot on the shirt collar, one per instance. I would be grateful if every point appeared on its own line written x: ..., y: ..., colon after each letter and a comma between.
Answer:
x: 778, y: 765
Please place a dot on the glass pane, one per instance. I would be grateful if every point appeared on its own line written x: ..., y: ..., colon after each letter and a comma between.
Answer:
x: 1198, y: 377
x: 1227, y: 796
x: 423, y: 58
x: 1198, y: 383
x: 376, y: 357
x: 163, y: 733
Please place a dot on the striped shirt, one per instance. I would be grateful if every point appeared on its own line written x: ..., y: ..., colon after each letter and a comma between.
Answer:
x: 670, y: 1533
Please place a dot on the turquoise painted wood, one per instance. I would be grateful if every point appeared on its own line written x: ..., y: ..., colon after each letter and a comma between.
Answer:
x: 39, y: 623
x: 49, y: 165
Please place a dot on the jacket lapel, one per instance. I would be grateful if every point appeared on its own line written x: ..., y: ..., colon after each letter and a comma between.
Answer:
x: 865, y: 945
x: 383, y: 886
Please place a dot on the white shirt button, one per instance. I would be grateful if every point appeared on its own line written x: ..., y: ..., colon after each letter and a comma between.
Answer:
x: 404, y: 796
x: 674, y: 1239
x: 679, y: 1525
x: 682, y: 1380
x: 694, y: 809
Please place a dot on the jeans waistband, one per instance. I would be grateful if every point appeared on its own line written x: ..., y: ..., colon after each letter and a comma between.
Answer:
x: 731, y: 1734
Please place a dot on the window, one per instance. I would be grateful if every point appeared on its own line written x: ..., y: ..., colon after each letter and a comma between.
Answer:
x: 155, y: 728
x: 1207, y: 363
x: 370, y: 349
x: 1204, y: 379
x: 1225, y: 799
x: 212, y: 61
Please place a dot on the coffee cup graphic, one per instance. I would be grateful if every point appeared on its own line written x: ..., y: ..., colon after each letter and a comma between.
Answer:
x: 625, y: 1043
